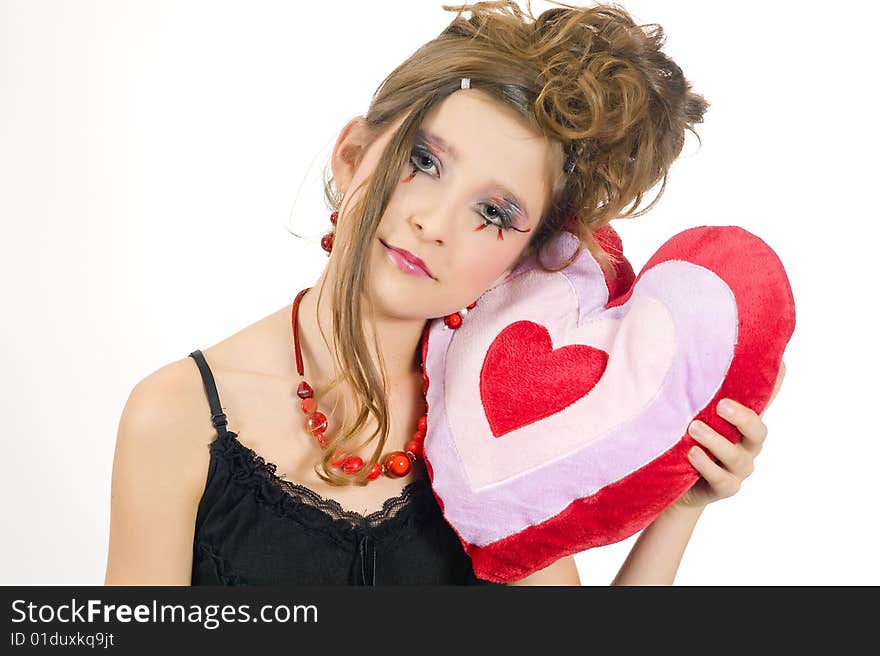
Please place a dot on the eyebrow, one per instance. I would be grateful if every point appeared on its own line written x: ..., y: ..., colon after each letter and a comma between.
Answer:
x: 438, y: 144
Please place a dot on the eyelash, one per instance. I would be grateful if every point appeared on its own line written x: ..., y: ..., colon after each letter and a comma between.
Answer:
x: 504, y: 215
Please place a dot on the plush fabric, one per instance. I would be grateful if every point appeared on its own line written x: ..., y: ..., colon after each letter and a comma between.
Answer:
x: 558, y: 410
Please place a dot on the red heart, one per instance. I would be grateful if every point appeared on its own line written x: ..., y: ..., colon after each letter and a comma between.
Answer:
x: 521, y: 355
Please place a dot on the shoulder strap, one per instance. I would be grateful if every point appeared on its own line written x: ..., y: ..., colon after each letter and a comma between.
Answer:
x: 217, y: 416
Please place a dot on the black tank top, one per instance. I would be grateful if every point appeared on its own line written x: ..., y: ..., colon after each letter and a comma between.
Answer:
x: 255, y: 528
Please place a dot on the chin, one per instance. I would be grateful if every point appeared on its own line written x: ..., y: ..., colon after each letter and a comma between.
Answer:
x: 393, y: 296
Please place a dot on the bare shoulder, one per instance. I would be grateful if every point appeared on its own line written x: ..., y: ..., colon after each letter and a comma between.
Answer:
x: 171, y: 405
x: 160, y: 466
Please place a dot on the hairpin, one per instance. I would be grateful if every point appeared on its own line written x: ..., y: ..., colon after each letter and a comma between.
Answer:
x: 575, y: 149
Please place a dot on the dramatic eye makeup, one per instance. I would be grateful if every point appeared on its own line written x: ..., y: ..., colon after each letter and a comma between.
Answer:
x: 502, y: 211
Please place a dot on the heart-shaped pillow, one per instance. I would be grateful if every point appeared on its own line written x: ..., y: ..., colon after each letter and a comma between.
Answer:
x: 558, y: 410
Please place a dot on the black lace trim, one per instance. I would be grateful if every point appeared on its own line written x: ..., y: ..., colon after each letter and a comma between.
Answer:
x: 250, y: 470
x: 225, y: 573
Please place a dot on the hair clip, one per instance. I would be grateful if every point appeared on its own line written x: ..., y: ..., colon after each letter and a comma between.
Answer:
x: 465, y: 83
x: 575, y: 150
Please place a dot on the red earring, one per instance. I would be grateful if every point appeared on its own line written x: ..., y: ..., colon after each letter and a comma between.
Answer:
x: 327, y: 240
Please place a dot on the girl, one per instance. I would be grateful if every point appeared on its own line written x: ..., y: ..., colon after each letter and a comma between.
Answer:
x: 476, y: 150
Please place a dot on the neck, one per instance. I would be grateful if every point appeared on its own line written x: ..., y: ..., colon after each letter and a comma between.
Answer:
x: 400, y: 339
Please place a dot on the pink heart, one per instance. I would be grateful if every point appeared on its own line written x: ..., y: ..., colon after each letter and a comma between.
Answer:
x: 594, y: 460
x: 520, y: 356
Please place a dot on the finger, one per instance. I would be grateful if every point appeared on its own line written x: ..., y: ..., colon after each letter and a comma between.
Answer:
x: 747, y: 421
x: 735, y: 458
x: 723, y: 483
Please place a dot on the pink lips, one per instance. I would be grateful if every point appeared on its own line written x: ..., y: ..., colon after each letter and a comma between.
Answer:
x: 407, y: 262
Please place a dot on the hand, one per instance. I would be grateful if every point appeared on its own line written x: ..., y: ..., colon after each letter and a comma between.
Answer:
x: 723, y: 479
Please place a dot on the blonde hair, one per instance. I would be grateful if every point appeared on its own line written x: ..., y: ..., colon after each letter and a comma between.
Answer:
x: 587, y: 78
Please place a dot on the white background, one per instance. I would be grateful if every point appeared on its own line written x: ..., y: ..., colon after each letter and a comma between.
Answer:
x: 154, y: 154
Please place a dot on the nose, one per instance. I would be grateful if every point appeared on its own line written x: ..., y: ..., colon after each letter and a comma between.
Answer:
x: 431, y: 226
x: 427, y: 234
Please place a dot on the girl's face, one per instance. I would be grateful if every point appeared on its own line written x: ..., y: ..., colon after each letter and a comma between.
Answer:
x: 467, y: 203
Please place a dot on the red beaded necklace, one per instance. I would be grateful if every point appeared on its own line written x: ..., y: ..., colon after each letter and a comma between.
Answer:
x: 395, y: 464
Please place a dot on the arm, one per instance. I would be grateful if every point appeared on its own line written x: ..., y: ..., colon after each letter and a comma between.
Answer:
x: 656, y: 555
x: 159, y: 469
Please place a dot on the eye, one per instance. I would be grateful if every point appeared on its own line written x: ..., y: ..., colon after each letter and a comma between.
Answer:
x: 502, y: 218
x: 418, y: 156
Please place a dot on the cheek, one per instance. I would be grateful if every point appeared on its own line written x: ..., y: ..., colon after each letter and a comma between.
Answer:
x: 480, y: 267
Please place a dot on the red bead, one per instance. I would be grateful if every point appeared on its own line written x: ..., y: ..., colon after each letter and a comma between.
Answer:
x: 472, y: 305
x: 397, y: 463
x: 425, y: 388
x: 333, y: 217
x: 352, y: 464
x: 304, y: 391
x: 375, y: 472
x: 338, y: 458
x: 419, y: 436
x: 321, y: 439
x: 415, y: 448
x: 423, y: 423
x: 452, y: 320
x: 327, y: 242
x: 309, y: 405
x: 316, y: 423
